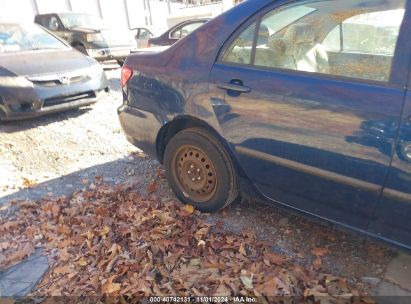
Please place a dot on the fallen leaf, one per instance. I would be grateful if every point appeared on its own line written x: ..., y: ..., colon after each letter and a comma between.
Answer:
x: 319, y: 252
x: 28, y: 182
x: 247, y: 282
x: 114, y: 241
x: 195, y: 262
x: 201, y: 243
x: 342, y: 283
x: 152, y: 187
x: 64, y: 255
x: 55, y: 210
x: 109, y: 287
x: 83, y: 262
x: 62, y: 270
x: 4, y: 245
x: 104, y: 231
x: 270, y: 288
x: 189, y: 209
x: 317, y: 263
x: 222, y: 291
x: 242, y: 250
x: 274, y: 258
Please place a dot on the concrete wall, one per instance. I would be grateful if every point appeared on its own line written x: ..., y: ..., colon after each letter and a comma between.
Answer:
x: 122, y: 13
x: 18, y: 10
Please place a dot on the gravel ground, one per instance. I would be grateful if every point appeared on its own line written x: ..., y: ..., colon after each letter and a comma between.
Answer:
x: 58, y: 154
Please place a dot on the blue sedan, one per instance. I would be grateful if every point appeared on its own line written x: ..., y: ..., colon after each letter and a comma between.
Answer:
x: 304, y: 103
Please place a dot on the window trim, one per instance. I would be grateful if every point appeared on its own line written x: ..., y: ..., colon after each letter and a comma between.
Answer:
x: 257, y: 17
x: 317, y: 75
x: 171, y: 35
x: 255, y: 38
x: 228, y: 42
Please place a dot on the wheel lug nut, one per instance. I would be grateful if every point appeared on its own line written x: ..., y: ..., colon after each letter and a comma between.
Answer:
x: 193, y: 179
x: 198, y: 170
x: 189, y: 172
x: 191, y: 166
x: 199, y: 178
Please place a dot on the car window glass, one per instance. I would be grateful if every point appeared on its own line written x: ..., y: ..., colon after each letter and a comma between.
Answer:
x: 44, y: 21
x: 311, y: 41
x: 372, y: 33
x: 53, y: 24
x: 144, y: 34
x: 27, y: 37
x: 187, y: 29
x: 277, y: 20
x: 240, y: 49
x: 176, y: 34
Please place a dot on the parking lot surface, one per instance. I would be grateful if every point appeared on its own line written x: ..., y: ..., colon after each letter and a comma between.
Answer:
x: 61, y: 153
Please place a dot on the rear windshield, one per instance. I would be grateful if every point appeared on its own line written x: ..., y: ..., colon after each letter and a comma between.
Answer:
x: 26, y: 37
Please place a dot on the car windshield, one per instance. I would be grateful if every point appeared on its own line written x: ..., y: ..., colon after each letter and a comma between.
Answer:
x: 26, y: 37
x: 82, y: 20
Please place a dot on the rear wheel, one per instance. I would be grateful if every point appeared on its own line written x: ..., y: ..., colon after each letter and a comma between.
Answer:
x: 200, y: 171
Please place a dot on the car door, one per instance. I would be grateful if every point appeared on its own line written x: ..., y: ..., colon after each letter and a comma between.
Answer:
x: 143, y: 37
x: 392, y: 218
x: 303, y: 131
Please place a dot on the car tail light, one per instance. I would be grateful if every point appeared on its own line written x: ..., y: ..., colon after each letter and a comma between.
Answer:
x: 126, y: 74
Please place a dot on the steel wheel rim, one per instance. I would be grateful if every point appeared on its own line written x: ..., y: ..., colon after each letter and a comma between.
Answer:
x: 407, y: 151
x: 195, y: 173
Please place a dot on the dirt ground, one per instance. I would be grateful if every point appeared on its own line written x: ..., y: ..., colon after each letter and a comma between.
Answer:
x: 58, y: 154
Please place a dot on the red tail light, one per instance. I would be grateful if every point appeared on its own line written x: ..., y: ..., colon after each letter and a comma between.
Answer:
x: 126, y: 74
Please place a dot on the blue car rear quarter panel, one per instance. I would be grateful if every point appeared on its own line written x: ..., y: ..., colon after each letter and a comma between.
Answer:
x: 175, y: 82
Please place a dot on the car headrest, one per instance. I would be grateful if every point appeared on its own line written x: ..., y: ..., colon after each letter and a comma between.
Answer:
x: 300, y: 33
x: 277, y: 44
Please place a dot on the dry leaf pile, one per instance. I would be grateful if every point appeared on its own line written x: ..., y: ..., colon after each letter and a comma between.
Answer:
x: 112, y: 241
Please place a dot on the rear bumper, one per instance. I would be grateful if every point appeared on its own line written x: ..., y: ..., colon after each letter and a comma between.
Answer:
x: 141, y: 128
x: 109, y: 53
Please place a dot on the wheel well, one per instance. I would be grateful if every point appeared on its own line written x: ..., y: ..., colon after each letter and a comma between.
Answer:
x: 178, y: 125
x: 187, y: 122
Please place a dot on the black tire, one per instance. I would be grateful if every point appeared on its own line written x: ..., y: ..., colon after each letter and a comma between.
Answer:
x: 81, y: 49
x: 218, y: 184
x: 121, y: 62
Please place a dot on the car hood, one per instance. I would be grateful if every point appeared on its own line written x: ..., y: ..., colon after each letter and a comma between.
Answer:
x: 86, y: 30
x: 44, y: 62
